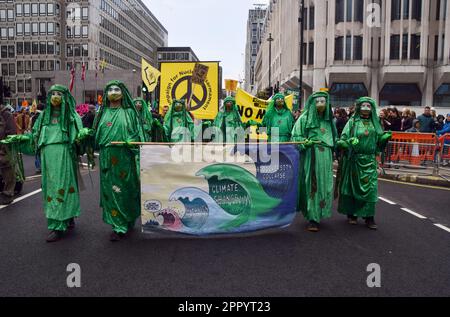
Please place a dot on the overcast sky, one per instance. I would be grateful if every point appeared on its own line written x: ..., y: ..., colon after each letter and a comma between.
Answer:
x: 215, y: 29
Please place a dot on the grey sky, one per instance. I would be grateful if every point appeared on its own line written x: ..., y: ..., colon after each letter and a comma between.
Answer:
x: 215, y: 29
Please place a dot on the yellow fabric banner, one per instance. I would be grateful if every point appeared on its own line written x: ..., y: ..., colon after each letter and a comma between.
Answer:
x: 252, y: 108
x: 150, y: 75
x: 176, y: 83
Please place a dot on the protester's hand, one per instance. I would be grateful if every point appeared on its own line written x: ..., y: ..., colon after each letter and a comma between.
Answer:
x: 129, y: 145
x: 353, y: 141
x: 308, y: 143
x: 16, y: 139
x: 341, y: 144
x: 386, y: 137
x: 253, y: 123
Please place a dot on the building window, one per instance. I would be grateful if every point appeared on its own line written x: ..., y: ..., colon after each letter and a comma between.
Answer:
x: 42, y: 48
x: 349, y: 6
x: 35, y: 66
x: 50, y: 28
x: 85, y: 13
x: 42, y: 28
x: 10, y: 15
x: 395, y: 47
x: 50, y: 48
x: 4, y: 69
x: 27, y: 48
x: 415, y: 46
x: 348, y: 47
x: 417, y: 10
x: 34, y: 9
x: 42, y: 9
x: 11, y: 33
x: 408, y: 95
x: 405, y: 46
x: 35, y: 48
x: 28, y: 87
x: 2, y: 15
x: 441, y: 97
x: 85, y: 31
x: 19, y: 67
x: 26, y: 9
x: 34, y: 29
x: 396, y: 9
x: 19, y: 29
x: 27, y: 67
x: 20, y: 86
x: 345, y: 94
x: 339, y: 48
x: 311, y: 18
x: 50, y: 9
x: 19, y: 48
x: 76, y: 50
x: 311, y: 53
x: 340, y: 6
x: 405, y: 13
x: 42, y: 66
x: 84, y: 47
x: 51, y: 65
x: 27, y: 29
x: 69, y: 51
x: 359, y: 11
x: 12, y: 69
x: 19, y: 10
x: 11, y: 51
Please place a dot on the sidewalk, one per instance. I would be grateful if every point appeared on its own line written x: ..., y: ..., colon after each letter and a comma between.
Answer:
x: 417, y: 175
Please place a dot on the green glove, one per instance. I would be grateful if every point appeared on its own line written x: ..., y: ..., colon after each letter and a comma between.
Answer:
x: 308, y: 143
x: 253, y: 123
x: 353, y: 141
x: 207, y: 123
x: 386, y: 137
x: 84, y: 133
x: 16, y: 139
x: 129, y: 145
x: 341, y: 144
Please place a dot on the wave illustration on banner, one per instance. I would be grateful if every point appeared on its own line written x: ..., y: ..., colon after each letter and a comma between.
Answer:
x: 233, y: 199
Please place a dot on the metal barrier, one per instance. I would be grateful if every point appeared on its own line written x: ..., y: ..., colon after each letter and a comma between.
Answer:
x: 418, y: 153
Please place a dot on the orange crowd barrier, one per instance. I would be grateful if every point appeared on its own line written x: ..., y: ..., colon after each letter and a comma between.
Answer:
x: 414, y: 148
x: 445, y: 146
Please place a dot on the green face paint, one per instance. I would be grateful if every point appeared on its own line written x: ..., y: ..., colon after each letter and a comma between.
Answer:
x: 366, y: 110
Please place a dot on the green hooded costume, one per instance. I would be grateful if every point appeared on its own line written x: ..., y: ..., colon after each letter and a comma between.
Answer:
x: 227, y: 124
x: 54, y: 137
x: 119, y: 175
x: 316, y: 162
x: 175, y: 124
x: 278, y: 118
x: 146, y: 119
x: 362, y: 140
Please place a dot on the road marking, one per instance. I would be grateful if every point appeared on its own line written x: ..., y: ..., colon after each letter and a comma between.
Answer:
x: 21, y: 198
x: 414, y: 213
x: 387, y: 201
x: 442, y: 227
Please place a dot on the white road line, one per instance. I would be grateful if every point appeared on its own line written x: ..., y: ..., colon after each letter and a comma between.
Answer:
x: 414, y: 213
x: 21, y: 198
x: 442, y: 227
x: 387, y: 201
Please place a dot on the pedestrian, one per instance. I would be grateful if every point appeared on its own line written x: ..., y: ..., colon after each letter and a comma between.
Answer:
x: 341, y: 120
x: 394, y: 120
x: 415, y: 127
x: 118, y: 120
x: 426, y: 121
x: 407, y: 120
x: 440, y: 122
x: 55, y: 136
x: 446, y: 126
x: 23, y: 121
x: 7, y: 166
x: 383, y: 117
x: 317, y: 132
x: 89, y: 117
x: 363, y: 138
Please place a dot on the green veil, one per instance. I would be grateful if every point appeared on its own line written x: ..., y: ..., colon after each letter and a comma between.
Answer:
x: 168, y: 119
x: 219, y: 121
x: 374, y: 116
x: 272, y: 112
x: 145, y: 116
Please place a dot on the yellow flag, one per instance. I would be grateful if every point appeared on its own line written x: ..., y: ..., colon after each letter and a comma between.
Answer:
x: 150, y: 75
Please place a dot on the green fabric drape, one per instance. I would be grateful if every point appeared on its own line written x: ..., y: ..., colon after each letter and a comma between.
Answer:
x: 119, y: 165
x: 176, y: 123
x: 281, y: 119
x: 228, y: 126
x: 146, y: 119
x: 316, y: 162
x: 359, y: 177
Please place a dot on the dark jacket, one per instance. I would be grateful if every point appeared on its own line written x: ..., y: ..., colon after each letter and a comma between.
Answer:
x: 407, y: 123
x: 7, y: 127
x: 426, y: 123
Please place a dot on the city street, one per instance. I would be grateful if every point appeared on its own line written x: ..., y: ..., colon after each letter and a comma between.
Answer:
x: 413, y: 252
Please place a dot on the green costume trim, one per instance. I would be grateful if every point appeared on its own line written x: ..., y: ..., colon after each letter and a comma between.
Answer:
x: 119, y: 165
x: 176, y: 122
x: 362, y: 139
x: 316, y: 161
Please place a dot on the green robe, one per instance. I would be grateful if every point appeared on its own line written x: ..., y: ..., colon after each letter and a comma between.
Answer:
x: 278, y: 118
x: 228, y: 125
x: 316, y: 163
x: 146, y: 119
x: 359, y: 180
x: 119, y: 176
x: 54, y: 138
x: 177, y: 124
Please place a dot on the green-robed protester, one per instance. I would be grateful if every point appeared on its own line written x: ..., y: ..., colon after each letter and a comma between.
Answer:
x: 278, y: 120
x: 55, y: 136
x: 362, y: 138
x: 178, y: 124
x: 316, y: 129
x: 118, y: 121
x: 228, y: 126
x: 145, y: 117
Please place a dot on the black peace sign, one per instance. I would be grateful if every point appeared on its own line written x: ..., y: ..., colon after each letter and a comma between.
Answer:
x: 198, y: 102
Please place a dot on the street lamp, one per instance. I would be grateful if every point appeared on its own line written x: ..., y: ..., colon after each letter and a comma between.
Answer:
x: 301, y: 19
x: 270, y: 40
x: 134, y: 75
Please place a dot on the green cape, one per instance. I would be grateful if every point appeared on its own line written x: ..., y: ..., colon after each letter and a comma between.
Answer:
x: 145, y: 117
